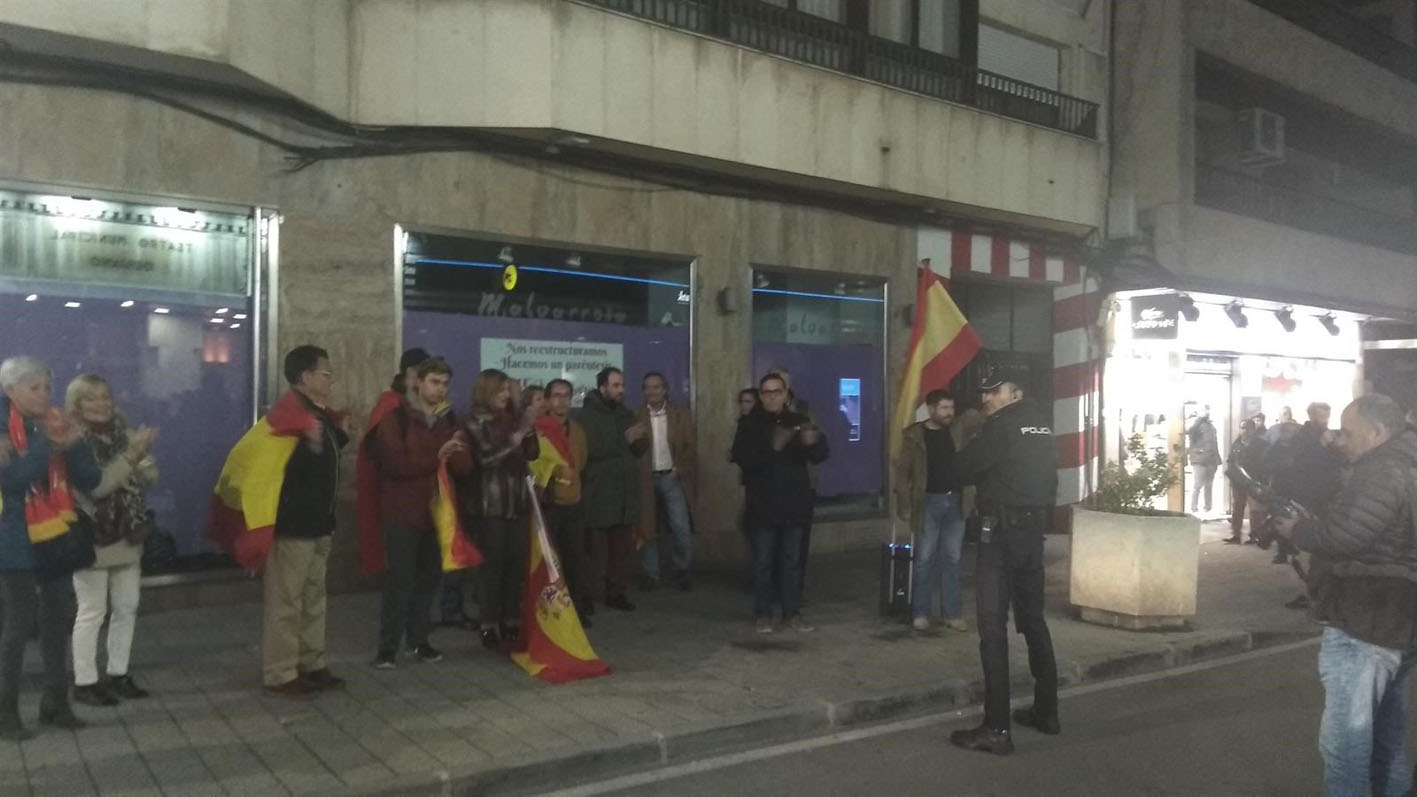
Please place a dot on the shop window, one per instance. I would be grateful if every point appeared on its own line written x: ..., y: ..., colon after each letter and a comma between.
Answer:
x: 828, y: 333
x: 1018, y: 57
x: 564, y: 314
x: 157, y: 300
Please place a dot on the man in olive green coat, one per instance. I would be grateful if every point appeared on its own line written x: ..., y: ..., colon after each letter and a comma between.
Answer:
x: 610, y: 495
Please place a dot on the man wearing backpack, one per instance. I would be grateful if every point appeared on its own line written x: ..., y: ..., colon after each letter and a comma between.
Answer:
x: 407, y: 447
x: 1363, y: 582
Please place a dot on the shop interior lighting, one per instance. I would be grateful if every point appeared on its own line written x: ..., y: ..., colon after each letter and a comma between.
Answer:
x: 1236, y: 311
x: 161, y: 310
x: 1285, y: 315
x: 223, y: 310
x: 33, y: 297
x: 506, y: 255
x: 239, y: 316
x: 573, y: 260
x: 760, y: 281
x: 1189, y: 311
x: 1330, y: 323
x: 840, y: 289
x: 73, y: 305
x: 217, y: 320
x: 548, y: 270
x: 236, y: 326
x: 126, y: 303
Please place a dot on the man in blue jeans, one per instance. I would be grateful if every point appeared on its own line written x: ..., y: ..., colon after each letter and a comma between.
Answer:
x: 1363, y: 582
x: 927, y: 501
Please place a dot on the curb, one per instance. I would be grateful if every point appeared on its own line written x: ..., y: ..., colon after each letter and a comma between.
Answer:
x: 543, y: 771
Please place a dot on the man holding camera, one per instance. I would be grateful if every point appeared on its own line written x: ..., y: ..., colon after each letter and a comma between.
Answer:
x: 1363, y: 581
x: 1014, y: 463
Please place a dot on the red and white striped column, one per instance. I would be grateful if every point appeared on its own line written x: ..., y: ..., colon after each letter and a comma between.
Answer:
x: 1077, y: 384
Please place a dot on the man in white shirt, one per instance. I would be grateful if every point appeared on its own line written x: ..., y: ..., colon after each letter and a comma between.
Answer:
x: 666, y: 483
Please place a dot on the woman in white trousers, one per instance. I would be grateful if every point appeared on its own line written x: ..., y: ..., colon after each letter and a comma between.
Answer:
x: 121, y: 522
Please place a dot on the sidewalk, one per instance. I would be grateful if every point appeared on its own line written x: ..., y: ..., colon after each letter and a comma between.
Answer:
x: 691, y: 679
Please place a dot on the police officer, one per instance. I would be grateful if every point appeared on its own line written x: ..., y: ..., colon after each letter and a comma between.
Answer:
x: 1013, y: 462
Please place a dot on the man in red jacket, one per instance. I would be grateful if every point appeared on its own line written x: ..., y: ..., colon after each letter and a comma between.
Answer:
x: 408, y: 445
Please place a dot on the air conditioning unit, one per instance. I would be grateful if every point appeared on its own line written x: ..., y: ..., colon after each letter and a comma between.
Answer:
x: 1261, y: 137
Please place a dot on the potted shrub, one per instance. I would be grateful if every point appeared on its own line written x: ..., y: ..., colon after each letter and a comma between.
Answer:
x: 1134, y: 566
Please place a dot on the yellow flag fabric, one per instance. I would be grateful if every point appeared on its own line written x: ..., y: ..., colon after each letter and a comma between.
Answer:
x: 247, y: 494
x: 941, y: 344
x: 458, y: 553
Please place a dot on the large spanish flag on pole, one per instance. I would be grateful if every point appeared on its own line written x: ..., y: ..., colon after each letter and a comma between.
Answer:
x: 941, y: 344
x: 242, y: 518
x: 554, y: 647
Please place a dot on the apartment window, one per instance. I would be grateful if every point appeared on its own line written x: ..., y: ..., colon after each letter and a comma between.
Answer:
x: 834, y: 10
x: 1019, y: 57
x: 932, y: 25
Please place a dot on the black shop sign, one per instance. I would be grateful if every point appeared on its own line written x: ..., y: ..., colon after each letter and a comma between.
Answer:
x: 1155, y: 317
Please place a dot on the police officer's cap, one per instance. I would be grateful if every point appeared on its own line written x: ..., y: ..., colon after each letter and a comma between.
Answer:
x: 992, y: 381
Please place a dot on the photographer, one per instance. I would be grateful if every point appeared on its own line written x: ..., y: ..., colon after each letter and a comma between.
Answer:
x: 1364, y: 587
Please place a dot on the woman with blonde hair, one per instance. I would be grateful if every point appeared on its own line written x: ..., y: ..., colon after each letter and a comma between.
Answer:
x: 110, y: 587
x: 496, y: 501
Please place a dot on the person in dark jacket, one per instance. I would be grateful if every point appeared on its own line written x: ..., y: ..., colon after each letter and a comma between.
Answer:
x: 1364, y: 585
x: 34, y: 438
x: 1248, y: 452
x: 293, y: 635
x: 610, y: 494
x: 773, y: 446
x: 496, y: 499
x: 1014, y: 463
x: 408, y: 447
x: 1304, y: 467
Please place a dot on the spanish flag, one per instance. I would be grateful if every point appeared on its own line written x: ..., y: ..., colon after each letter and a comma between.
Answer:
x: 543, y: 468
x: 457, y: 549
x: 554, y: 647
x: 371, y: 533
x: 242, y: 518
x: 941, y: 344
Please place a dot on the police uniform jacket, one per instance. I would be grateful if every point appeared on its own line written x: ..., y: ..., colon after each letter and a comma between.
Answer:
x: 1013, y: 461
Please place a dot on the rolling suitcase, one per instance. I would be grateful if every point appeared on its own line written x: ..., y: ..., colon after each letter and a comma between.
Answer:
x: 897, y: 569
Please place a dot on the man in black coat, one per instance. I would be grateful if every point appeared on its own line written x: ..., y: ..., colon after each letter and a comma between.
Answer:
x: 1363, y: 580
x: 1304, y: 467
x: 1014, y: 463
x: 773, y: 446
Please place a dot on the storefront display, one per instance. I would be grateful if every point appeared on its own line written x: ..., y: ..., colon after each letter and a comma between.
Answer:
x: 541, y: 313
x: 157, y: 299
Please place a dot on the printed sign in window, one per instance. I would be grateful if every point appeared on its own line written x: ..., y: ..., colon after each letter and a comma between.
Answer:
x: 849, y: 402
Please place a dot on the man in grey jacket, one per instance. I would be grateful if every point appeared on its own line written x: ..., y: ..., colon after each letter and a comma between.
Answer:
x: 1363, y: 582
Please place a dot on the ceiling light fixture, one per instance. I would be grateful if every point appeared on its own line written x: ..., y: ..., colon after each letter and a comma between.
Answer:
x: 72, y: 305
x: 760, y: 280
x: 127, y: 303
x: 161, y: 310
x: 506, y: 255
x: 573, y: 260
x: 1236, y: 311
x: 1189, y: 311
x: 33, y: 297
x: 1330, y: 323
x: 240, y: 316
x: 1285, y: 315
x: 223, y: 310
x: 236, y: 326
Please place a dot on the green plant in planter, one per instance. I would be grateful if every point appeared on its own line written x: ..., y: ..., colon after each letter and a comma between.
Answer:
x: 1130, y: 492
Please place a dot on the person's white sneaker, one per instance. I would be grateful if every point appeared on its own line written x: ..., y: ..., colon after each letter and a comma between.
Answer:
x: 921, y: 623
x: 765, y: 625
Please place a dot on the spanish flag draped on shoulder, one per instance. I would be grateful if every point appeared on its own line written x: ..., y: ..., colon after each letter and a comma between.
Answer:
x: 941, y: 344
x: 554, y: 645
x: 242, y: 519
x: 366, y: 477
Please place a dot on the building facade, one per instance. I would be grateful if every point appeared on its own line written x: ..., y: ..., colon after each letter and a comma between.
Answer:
x: 707, y: 189
x: 1262, y: 207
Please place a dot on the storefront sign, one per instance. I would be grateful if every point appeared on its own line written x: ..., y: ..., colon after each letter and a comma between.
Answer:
x: 537, y: 362
x: 1155, y: 317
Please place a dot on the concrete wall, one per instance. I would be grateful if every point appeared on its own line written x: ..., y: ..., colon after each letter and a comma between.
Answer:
x: 540, y: 66
x: 1154, y: 144
x: 337, y: 278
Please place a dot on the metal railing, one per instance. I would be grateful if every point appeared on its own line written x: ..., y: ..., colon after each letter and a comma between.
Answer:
x: 1237, y: 193
x: 1340, y: 26
x: 831, y: 45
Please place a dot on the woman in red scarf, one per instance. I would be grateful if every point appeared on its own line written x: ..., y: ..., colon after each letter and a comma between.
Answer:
x: 41, y: 455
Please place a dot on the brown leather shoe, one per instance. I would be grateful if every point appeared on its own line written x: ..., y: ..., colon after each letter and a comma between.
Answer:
x: 297, y: 688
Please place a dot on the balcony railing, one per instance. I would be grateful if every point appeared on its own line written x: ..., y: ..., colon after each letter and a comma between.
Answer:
x: 831, y: 45
x: 1246, y: 196
x: 1335, y: 23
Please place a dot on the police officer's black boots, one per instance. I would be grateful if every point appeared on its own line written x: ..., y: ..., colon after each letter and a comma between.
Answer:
x: 984, y: 740
x: 1030, y: 719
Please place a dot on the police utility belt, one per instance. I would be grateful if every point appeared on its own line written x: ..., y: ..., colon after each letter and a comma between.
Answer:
x: 995, y: 519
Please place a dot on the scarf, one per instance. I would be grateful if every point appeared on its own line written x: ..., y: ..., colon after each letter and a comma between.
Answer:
x: 49, y: 507
x: 123, y: 514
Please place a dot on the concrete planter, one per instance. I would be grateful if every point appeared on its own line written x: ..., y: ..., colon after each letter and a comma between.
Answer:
x: 1135, y: 572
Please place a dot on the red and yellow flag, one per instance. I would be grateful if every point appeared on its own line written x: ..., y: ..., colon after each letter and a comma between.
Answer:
x: 366, y: 473
x: 554, y: 647
x: 457, y: 549
x: 242, y: 518
x: 941, y: 344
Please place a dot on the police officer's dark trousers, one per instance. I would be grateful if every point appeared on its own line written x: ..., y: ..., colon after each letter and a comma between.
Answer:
x: 1009, y: 571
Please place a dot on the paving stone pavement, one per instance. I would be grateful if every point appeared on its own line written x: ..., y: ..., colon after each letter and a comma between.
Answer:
x: 691, y: 677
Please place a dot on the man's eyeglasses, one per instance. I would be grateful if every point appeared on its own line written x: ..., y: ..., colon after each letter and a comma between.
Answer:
x: 771, y: 392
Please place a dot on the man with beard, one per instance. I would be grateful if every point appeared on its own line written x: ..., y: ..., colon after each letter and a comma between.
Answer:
x: 1014, y: 463
x: 610, y: 496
